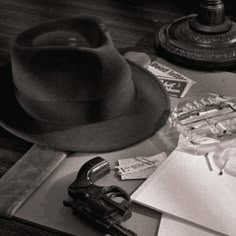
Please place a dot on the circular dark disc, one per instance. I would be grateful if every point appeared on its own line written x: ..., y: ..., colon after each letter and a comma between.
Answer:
x: 180, y: 42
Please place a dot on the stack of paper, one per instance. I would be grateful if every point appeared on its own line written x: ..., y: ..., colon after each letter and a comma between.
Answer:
x: 185, y: 187
x: 172, y: 226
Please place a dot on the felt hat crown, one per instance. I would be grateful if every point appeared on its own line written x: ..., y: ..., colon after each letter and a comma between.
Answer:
x: 74, y: 91
x: 67, y: 76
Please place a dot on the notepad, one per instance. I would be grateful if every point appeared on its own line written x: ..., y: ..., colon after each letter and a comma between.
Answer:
x: 184, y: 187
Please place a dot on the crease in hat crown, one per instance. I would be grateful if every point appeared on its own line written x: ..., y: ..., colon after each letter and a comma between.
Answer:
x: 68, y: 72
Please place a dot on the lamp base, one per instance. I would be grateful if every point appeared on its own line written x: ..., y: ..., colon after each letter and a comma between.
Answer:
x: 182, y: 42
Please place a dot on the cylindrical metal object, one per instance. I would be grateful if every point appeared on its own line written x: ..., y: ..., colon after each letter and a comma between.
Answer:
x: 205, y: 40
x: 211, y: 13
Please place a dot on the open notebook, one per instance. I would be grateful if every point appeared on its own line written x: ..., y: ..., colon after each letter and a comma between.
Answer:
x: 185, y: 187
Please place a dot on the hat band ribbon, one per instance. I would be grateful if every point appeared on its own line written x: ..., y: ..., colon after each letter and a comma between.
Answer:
x: 75, y: 112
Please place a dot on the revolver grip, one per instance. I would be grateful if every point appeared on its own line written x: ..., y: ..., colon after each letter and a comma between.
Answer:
x: 104, y: 207
x: 91, y: 171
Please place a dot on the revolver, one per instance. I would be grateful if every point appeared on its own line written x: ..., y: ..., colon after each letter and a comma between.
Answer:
x: 103, y: 207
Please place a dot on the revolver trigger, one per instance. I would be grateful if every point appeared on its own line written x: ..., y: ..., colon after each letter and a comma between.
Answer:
x: 118, y: 198
x: 115, y: 191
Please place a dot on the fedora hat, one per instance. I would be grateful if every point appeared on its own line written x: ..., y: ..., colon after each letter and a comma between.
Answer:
x: 69, y: 88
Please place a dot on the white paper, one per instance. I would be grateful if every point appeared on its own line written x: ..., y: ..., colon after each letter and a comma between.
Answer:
x: 139, y: 167
x: 185, y: 187
x: 172, y: 226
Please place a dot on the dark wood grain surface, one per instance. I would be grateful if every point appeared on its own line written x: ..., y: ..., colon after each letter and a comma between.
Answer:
x: 132, y: 23
x: 132, y: 26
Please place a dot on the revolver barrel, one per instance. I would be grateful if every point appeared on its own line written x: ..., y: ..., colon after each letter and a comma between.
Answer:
x: 119, y: 230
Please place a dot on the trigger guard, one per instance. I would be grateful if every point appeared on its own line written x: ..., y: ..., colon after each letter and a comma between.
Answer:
x: 117, y: 192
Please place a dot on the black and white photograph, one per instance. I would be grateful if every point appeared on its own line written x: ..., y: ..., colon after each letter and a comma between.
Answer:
x: 117, y: 118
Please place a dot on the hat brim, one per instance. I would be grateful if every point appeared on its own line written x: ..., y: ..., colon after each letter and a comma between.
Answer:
x: 149, y: 113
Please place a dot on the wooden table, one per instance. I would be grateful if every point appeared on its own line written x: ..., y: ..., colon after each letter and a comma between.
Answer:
x: 132, y: 26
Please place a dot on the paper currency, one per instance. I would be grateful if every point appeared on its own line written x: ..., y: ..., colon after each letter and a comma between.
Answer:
x: 139, y: 167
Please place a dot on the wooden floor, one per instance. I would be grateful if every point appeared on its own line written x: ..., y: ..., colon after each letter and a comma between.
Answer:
x: 132, y: 25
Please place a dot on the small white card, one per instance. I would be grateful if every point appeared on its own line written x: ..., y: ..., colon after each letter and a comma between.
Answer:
x: 139, y: 167
x: 175, y: 83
